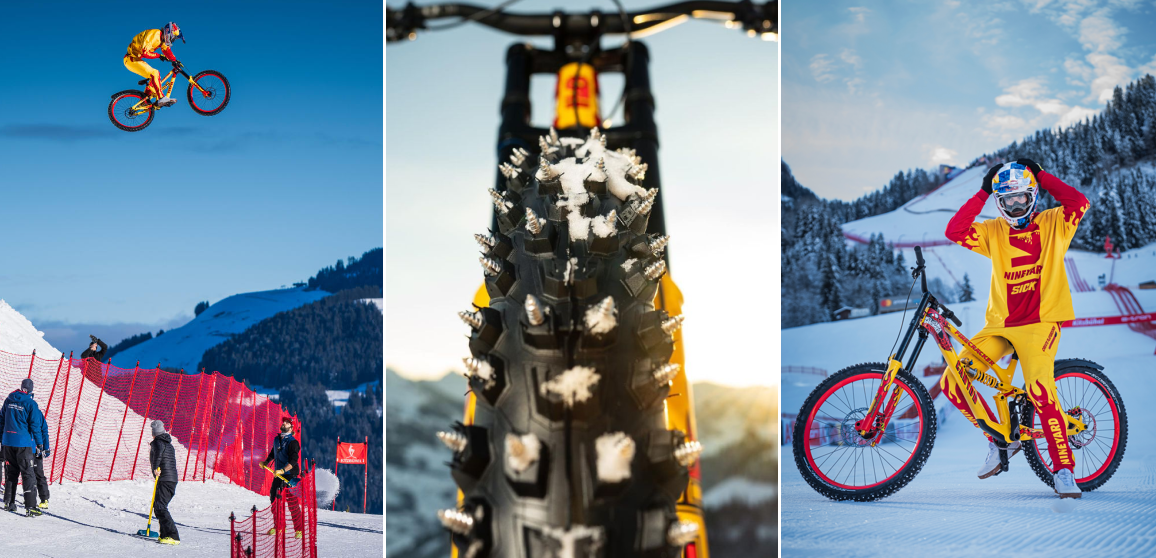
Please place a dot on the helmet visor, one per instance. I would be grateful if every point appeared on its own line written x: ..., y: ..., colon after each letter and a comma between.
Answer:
x: 1016, y: 205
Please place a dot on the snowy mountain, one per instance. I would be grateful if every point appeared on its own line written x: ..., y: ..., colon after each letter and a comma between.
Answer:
x: 737, y: 427
x: 183, y: 347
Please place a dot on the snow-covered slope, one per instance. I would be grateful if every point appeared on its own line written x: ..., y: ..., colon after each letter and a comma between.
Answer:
x: 183, y: 347
x: 98, y: 519
x: 18, y: 336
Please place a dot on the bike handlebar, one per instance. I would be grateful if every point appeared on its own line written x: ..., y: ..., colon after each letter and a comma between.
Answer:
x: 755, y: 18
x: 920, y: 271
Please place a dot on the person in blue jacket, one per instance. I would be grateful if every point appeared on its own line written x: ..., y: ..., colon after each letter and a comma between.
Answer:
x: 21, y: 425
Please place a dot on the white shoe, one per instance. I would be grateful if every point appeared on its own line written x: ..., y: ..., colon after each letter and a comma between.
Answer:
x: 1065, y: 484
x: 166, y: 101
x: 992, y: 466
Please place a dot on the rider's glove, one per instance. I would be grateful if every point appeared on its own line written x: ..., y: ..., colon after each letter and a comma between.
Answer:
x: 986, y: 185
x: 1032, y: 166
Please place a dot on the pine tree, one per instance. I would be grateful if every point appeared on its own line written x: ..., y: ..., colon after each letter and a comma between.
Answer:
x: 966, y: 294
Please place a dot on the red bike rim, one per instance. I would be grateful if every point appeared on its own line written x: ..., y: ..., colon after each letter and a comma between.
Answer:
x: 1098, y: 411
x: 215, y: 88
x: 116, y: 111
x: 880, y: 460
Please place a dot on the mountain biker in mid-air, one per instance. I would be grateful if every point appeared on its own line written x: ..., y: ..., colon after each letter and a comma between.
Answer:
x: 1029, y: 298
x: 144, y: 46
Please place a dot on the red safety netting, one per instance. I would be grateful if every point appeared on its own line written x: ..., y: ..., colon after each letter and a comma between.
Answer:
x: 98, y: 419
x: 287, y: 528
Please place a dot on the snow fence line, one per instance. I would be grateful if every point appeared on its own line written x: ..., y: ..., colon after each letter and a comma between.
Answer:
x: 295, y: 510
x: 98, y: 419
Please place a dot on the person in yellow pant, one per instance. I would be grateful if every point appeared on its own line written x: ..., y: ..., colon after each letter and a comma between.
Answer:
x: 144, y: 47
x: 1029, y: 299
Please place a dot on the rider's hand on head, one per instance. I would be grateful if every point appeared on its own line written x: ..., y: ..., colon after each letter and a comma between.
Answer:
x: 1031, y: 165
x: 986, y: 185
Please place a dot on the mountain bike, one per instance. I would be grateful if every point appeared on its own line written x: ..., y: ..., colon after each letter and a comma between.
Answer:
x: 578, y: 437
x: 208, y: 94
x: 865, y: 432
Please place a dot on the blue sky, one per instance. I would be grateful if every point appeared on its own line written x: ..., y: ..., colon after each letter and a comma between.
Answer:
x: 871, y: 88
x: 716, y: 96
x: 119, y: 232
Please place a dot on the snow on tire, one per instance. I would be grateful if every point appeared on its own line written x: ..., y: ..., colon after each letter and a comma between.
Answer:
x: 568, y: 447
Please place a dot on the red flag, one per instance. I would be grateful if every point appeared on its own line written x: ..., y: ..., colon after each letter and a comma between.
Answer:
x: 351, y: 454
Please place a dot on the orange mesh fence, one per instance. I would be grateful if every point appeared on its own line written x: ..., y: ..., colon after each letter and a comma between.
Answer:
x: 99, y: 416
x: 287, y: 528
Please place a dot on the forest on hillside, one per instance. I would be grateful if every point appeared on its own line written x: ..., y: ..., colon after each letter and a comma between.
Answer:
x: 335, y: 341
x: 1111, y: 157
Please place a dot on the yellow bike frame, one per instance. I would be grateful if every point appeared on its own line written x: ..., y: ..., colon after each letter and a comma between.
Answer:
x: 963, y: 371
x: 144, y: 105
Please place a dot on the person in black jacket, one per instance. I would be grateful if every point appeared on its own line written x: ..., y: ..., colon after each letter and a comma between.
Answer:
x: 96, y: 349
x: 163, y: 460
x: 285, y: 455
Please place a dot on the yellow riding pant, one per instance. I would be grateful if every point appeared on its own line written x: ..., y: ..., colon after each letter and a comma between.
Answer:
x: 1036, y: 346
x: 142, y: 69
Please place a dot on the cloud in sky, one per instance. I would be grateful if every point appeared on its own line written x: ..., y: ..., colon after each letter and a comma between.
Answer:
x: 942, y: 156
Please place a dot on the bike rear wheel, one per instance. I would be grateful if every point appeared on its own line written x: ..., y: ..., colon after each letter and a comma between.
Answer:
x: 212, y: 96
x: 841, y: 464
x: 122, y: 114
x: 1098, y: 450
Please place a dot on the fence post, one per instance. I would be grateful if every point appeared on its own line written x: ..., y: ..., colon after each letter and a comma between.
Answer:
x: 52, y: 393
x: 252, y: 440
x: 254, y: 516
x: 92, y: 430
x: 232, y: 534
x: 63, y: 404
x: 75, y: 410
x: 32, y: 363
x: 204, y: 430
x: 127, y: 402
x: 145, y: 419
x: 196, y: 411
x: 365, y: 487
x: 221, y: 436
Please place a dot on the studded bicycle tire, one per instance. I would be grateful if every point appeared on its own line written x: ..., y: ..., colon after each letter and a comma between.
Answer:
x: 568, y: 454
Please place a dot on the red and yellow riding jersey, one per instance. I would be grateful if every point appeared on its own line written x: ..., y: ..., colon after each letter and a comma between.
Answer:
x: 1028, y: 281
x: 146, y: 43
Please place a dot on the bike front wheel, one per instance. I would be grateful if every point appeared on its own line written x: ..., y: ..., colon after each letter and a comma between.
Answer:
x: 209, y: 93
x: 841, y: 464
x: 130, y: 111
x: 1086, y: 393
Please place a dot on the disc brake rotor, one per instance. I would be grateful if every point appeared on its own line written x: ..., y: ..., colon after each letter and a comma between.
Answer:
x: 850, y: 436
x: 1086, y: 437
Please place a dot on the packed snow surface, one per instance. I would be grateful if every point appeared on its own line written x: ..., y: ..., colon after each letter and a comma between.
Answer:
x: 183, y: 347
x: 522, y: 451
x: 99, y: 519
